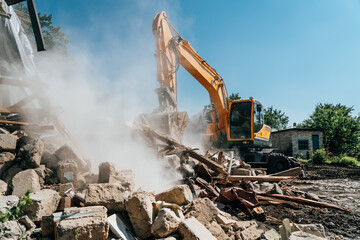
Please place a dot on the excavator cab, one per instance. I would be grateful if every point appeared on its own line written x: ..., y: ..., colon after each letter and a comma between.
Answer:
x: 246, y: 121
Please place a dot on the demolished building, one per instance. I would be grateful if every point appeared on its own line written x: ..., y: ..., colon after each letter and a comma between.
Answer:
x: 218, y: 198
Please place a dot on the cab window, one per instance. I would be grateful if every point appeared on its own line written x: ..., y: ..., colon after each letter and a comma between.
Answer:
x: 240, y: 120
x: 258, y: 116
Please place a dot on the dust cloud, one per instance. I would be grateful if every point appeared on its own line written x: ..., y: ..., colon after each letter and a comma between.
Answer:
x: 96, y: 92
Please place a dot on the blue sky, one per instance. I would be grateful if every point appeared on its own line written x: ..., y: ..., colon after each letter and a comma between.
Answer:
x: 287, y: 54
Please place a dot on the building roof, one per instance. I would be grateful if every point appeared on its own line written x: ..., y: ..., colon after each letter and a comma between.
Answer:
x: 299, y: 129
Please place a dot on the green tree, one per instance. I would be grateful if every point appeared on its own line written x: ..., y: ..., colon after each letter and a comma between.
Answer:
x: 54, y: 38
x: 275, y: 118
x: 234, y: 96
x: 341, y: 129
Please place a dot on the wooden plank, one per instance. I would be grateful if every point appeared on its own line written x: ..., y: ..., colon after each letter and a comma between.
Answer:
x: 307, y: 201
x: 22, y: 110
x: 289, y: 172
x: 208, y: 162
x: 14, y: 122
x: 211, y: 164
x: 266, y: 178
x: 270, y: 199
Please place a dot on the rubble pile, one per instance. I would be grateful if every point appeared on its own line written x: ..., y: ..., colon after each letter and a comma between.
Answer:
x: 69, y: 201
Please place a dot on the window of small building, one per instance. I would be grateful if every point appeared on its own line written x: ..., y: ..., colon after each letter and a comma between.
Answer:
x: 303, y: 144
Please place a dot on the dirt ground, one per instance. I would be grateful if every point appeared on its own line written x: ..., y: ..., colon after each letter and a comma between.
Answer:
x: 333, y: 184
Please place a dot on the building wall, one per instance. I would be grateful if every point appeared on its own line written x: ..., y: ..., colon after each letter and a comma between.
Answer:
x: 287, y: 141
x: 282, y: 142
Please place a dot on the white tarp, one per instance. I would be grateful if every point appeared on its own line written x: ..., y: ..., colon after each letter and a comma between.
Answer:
x: 16, y: 53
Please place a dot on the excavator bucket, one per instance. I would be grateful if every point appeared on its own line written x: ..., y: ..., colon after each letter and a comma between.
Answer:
x: 170, y: 123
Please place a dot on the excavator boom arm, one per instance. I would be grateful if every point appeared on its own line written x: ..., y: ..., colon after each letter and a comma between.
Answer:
x: 172, y: 50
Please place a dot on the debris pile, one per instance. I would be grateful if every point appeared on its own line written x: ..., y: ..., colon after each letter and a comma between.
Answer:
x: 68, y: 201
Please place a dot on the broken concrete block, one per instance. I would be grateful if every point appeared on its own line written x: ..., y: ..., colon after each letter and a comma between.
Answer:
x: 45, y: 202
x: 27, y: 222
x: 81, y: 223
x: 217, y: 231
x: 49, y: 160
x: 10, y: 173
x: 67, y: 171
x: 24, y: 181
x: 221, y: 219
x: 11, y: 230
x: 6, y: 161
x: 120, y: 228
x: 300, y: 235
x: 8, y: 142
x: 179, y: 195
x: 3, y: 187
x: 66, y: 153
x: 90, y: 177
x: 140, y: 211
x: 108, y: 173
x: 251, y: 233
x: 8, y: 202
x: 50, y: 177
x: 165, y: 223
x: 112, y: 196
x: 106, y: 170
x: 242, y: 225
x: 192, y: 229
x: 47, y: 226
x: 314, y: 229
x: 30, y: 152
x: 41, y: 174
x: 127, y: 178
x: 272, y: 235
x: 203, y: 209
x: 63, y: 187
x: 65, y: 202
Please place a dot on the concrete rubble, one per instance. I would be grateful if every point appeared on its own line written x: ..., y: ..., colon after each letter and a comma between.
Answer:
x: 70, y: 201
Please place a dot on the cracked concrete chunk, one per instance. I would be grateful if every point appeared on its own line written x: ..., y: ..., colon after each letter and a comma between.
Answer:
x: 112, y: 196
x: 192, y: 229
x: 179, y: 195
x: 45, y: 202
x: 8, y: 142
x: 82, y: 223
x: 24, y: 181
x: 165, y: 223
x: 140, y: 210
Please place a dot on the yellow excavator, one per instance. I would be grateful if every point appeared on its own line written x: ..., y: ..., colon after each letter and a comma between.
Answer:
x: 237, y: 125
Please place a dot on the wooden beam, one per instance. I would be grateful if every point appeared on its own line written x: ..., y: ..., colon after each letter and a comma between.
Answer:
x: 289, y: 172
x: 36, y: 25
x: 306, y: 201
x: 266, y: 178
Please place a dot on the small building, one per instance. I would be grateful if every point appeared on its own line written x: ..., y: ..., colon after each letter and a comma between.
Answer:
x: 297, y: 141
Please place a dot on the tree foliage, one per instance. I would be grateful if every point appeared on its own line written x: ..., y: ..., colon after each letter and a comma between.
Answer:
x: 341, y: 129
x: 54, y: 38
x: 275, y: 118
x: 234, y: 96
